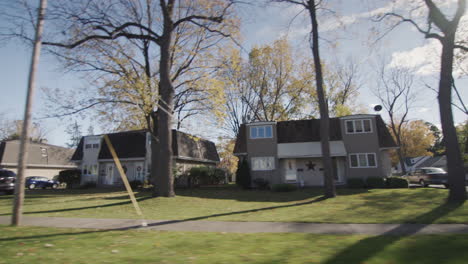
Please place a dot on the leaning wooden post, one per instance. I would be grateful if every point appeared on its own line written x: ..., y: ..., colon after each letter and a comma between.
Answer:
x: 124, y: 179
x: 23, y: 152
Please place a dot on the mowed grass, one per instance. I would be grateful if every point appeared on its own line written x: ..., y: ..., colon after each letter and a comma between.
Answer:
x: 416, y: 205
x: 50, y: 245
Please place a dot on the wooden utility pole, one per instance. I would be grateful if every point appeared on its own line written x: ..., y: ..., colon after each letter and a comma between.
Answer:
x: 23, y: 153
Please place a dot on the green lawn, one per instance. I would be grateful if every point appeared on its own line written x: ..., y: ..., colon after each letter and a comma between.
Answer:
x: 49, y: 245
x: 418, y: 205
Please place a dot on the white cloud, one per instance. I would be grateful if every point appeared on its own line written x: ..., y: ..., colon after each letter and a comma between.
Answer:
x: 425, y: 60
x: 423, y: 109
x: 417, y: 7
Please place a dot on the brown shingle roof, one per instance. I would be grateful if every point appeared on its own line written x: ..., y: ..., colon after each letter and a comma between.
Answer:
x: 132, y: 144
x: 306, y: 130
x: 38, y: 153
x: 240, y: 145
x: 188, y: 146
x: 385, y: 138
x: 78, y: 154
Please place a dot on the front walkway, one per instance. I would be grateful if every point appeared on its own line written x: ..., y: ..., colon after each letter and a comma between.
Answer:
x: 243, y: 227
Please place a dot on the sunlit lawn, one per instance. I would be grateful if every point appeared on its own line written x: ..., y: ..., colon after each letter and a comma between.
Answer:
x: 418, y: 205
x: 49, y: 245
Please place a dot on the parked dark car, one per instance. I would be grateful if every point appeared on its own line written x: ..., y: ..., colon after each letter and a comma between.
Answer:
x: 41, y: 182
x: 428, y: 175
x: 7, y: 181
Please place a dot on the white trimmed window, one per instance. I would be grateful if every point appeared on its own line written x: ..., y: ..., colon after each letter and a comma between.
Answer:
x: 261, y: 132
x: 363, y: 160
x: 263, y: 163
x: 358, y: 126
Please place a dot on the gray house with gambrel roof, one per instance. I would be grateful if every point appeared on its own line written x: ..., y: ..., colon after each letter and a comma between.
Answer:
x: 43, y: 159
x: 290, y: 151
x: 134, y: 151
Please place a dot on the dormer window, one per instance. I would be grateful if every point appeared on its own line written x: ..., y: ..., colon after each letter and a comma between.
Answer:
x: 358, y: 126
x: 261, y: 132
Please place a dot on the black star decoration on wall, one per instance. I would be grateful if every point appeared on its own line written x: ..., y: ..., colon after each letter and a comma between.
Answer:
x: 310, y: 165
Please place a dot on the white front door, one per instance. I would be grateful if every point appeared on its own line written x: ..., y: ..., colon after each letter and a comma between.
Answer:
x: 316, y: 172
x: 340, y: 170
x: 109, y: 180
x: 139, y: 171
x: 290, y: 170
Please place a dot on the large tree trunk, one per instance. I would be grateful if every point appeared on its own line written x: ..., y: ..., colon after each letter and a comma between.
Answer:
x: 402, y: 160
x: 456, y: 174
x: 329, y: 180
x: 154, y: 154
x: 164, y: 178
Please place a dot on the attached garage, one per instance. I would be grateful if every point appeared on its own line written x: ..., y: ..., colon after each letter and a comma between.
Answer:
x: 43, y: 159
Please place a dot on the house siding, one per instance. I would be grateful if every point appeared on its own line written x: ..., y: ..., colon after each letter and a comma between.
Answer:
x: 44, y: 160
x: 48, y: 173
x: 385, y: 163
x: 362, y: 143
x: 264, y: 147
x: 133, y: 149
x: 298, y: 141
x: 132, y: 172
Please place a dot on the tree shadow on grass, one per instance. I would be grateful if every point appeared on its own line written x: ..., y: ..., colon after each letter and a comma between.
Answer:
x: 254, y: 195
x: 369, y: 247
x: 154, y: 224
x: 81, y: 208
x: 316, y: 200
x: 34, y: 237
x: 394, y: 199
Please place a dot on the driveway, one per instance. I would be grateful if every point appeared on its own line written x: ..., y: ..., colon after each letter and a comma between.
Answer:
x: 437, y: 186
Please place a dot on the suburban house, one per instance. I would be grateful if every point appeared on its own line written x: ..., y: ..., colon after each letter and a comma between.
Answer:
x: 43, y: 159
x: 422, y: 161
x: 133, y: 149
x: 410, y: 164
x: 290, y: 151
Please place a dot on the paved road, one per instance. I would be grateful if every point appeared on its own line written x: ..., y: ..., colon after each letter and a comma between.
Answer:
x: 243, y: 227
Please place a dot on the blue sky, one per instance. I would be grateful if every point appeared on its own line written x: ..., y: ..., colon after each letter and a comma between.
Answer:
x: 349, y: 27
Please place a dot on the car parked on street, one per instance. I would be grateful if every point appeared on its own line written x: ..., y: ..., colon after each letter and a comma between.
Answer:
x: 428, y: 175
x: 41, y: 182
x: 7, y: 181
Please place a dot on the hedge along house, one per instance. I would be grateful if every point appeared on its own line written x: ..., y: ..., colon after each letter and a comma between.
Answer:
x: 43, y: 159
x: 290, y: 151
x: 133, y: 149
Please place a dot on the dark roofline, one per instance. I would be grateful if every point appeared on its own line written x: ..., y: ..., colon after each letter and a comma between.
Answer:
x: 119, y: 132
x: 189, y: 135
x: 78, y: 154
x: 298, y: 129
x: 35, y: 142
x: 303, y: 120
